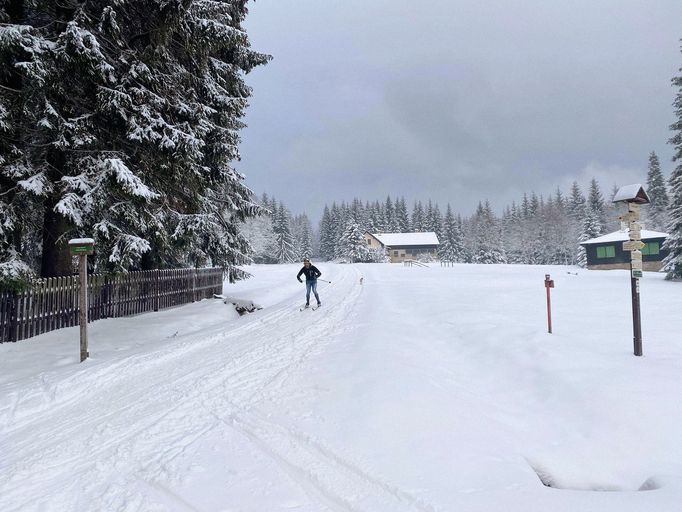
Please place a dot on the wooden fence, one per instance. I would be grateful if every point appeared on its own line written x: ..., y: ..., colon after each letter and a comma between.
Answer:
x: 52, y: 303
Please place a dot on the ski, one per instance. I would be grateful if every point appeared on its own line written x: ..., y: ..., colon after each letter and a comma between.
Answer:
x: 315, y: 308
x: 303, y: 308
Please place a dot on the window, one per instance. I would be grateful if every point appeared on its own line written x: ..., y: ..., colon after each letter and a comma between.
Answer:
x: 606, y: 251
x: 651, y: 248
x: 395, y: 253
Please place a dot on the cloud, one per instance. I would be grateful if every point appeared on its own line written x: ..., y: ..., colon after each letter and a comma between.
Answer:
x: 456, y: 100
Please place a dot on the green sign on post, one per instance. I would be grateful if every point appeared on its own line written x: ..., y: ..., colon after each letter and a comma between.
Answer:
x: 81, y: 246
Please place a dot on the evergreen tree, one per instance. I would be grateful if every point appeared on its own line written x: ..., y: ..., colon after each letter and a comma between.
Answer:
x: 673, y: 262
x: 259, y: 232
x: 304, y: 241
x: 353, y: 244
x: 595, y: 202
x: 327, y: 242
x: 591, y: 228
x: 418, y: 217
x: 402, y: 218
x: 657, y: 210
x: 390, y: 216
x: 130, y: 120
x: 488, y: 247
x: 451, y: 241
x: 285, y: 249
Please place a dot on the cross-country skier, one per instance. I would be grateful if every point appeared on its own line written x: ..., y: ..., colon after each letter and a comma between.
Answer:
x: 311, y: 274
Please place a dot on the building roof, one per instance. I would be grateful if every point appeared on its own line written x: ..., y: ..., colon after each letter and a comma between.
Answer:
x: 406, y: 239
x: 623, y: 236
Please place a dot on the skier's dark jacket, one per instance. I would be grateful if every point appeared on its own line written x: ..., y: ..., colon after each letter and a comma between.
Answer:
x: 311, y: 273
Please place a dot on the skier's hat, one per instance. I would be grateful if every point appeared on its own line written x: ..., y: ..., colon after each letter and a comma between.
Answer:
x: 306, y: 259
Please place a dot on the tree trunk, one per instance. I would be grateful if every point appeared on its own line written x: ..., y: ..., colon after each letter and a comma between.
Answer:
x: 56, y: 260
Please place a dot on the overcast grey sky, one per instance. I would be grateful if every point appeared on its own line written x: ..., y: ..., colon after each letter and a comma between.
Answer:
x: 457, y: 100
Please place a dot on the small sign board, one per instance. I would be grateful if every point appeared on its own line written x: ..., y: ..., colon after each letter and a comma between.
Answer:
x: 629, y: 217
x: 80, y: 246
x: 633, y: 245
x: 637, y: 274
x: 636, y: 255
x: 634, y: 208
x: 636, y: 264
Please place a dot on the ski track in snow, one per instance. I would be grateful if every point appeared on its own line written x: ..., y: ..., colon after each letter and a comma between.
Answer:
x: 173, y: 397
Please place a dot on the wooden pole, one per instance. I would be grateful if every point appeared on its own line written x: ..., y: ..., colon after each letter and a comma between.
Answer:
x: 83, y: 302
x: 636, y: 316
x: 549, y: 284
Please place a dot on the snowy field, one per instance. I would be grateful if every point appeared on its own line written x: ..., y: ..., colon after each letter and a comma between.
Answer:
x: 421, y: 389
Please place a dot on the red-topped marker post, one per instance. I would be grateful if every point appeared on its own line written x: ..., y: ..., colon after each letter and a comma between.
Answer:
x: 81, y: 247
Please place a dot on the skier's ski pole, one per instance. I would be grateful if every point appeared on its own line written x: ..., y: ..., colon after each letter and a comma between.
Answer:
x: 324, y: 280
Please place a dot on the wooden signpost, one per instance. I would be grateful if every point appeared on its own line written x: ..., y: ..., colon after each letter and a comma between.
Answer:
x: 81, y: 247
x: 634, y: 196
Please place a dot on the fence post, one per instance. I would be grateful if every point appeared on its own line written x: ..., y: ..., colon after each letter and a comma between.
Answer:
x: 13, y: 318
x: 157, y: 281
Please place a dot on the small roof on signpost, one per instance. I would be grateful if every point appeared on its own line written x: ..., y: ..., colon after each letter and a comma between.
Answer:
x: 634, y: 193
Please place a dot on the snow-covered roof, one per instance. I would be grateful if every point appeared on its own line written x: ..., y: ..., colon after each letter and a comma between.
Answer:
x: 406, y: 239
x: 634, y: 192
x: 623, y: 236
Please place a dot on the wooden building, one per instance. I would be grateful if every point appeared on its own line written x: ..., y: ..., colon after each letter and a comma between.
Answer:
x: 405, y: 246
x: 606, y: 252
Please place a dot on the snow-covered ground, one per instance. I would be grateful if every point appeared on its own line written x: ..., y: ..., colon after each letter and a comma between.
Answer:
x: 421, y: 389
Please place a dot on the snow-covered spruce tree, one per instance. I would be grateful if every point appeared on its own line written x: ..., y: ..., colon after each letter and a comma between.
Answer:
x: 284, y: 250
x: 132, y: 117
x: 488, y: 246
x: 258, y: 230
x: 447, y: 250
x: 337, y: 228
x: 673, y: 262
x: 591, y: 228
x: 327, y: 242
x: 418, y: 217
x: 595, y: 202
x: 21, y: 185
x: 513, y: 233
x: 303, y: 236
x: 657, y: 210
x: 352, y: 245
x: 561, y: 245
x: 576, y: 210
x: 390, y: 216
x: 402, y: 218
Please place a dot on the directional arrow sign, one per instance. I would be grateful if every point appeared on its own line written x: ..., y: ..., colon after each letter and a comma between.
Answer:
x: 633, y: 245
x: 629, y: 217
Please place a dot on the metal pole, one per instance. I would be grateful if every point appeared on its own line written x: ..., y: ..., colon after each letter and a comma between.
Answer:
x: 636, y: 317
x: 83, y: 301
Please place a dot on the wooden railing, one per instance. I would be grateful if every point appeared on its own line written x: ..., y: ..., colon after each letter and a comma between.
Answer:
x: 414, y: 263
x: 52, y: 303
